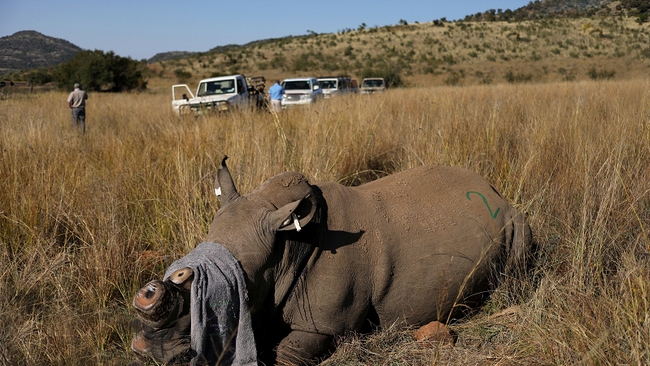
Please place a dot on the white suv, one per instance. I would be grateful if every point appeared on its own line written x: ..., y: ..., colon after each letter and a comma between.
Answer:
x: 300, y: 91
x: 335, y: 85
x: 373, y: 85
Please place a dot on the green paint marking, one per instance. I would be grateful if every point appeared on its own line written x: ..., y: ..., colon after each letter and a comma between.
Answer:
x: 494, y: 215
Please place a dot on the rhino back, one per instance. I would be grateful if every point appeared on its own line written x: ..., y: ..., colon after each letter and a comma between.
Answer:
x: 404, y: 245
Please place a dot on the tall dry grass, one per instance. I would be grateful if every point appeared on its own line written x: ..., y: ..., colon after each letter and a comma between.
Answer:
x: 86, y: 220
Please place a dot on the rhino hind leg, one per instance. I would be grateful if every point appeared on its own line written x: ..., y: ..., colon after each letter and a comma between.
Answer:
x: 520, y: 244
x: 303, y: 348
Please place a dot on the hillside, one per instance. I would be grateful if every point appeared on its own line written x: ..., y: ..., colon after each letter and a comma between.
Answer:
x: 31, y: 49
x: 550, y: 40
x: 164, y: 56
x: 569, y: 8
x: 442, y: 53
x: 545, y: 9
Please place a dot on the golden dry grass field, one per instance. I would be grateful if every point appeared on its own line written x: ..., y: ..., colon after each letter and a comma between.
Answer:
x: 86, y: 220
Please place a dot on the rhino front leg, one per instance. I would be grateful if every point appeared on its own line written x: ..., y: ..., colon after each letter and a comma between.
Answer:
x: 303, y: 348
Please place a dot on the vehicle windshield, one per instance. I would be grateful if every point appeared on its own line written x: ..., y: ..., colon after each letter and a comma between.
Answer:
x: 217, y: 87
x: 373, y: 83
x: 327, y: 84
x: 297, y: 85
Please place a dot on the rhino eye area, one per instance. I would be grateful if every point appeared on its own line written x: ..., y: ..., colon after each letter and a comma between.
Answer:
x: 147, y: 296
x: 182, y: 275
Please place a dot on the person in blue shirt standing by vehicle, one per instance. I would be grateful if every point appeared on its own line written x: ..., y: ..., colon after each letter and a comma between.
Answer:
x: 275, y: 94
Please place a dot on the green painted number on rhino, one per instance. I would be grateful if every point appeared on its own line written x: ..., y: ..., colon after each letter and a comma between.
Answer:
x: 493, y: 215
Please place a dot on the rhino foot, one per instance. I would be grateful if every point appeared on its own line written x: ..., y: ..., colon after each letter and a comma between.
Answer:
x: 303, y: 348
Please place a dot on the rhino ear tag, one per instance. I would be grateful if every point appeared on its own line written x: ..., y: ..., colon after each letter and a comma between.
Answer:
x: 295, y: 221
x: 217, y: 191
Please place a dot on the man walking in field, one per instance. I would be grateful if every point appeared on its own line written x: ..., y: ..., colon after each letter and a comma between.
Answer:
x: 275, y: 93
x: 77, y: 103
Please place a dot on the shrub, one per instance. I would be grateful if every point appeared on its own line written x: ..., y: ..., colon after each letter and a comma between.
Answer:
x: 303, y: 62
x: 453, y: 78
x: 512, y: 77
x: 349, y: 52
x: 278, y: 61
x: 449, y: 59
x: 566, y: 74
x: 99, y: 71
x: 483, y: 78
x: 600, y: 74
x: 182, y: 75
x: 39, y: 76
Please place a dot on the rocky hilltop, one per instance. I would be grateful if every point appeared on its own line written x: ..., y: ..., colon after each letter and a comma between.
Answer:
x: 172, y: 55
x: 30, y: 49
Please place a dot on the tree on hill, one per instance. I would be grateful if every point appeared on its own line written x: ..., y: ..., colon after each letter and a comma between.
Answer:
x: 99, y: 71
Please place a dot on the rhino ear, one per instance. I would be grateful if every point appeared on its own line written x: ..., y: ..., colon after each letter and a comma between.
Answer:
x: 295, y: 215
x: 224, y: 187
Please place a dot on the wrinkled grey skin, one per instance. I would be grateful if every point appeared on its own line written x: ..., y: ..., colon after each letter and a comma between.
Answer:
x: 417, y: 246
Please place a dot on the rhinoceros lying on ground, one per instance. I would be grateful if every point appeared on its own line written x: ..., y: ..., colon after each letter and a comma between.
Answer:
x: 323, y: 259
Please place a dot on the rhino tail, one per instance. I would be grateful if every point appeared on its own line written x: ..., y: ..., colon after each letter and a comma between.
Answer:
x: 520, y: 246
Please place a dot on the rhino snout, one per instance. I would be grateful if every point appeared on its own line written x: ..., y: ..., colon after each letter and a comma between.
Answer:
x: 168, y: 348
x: 163, y: 318
x: 159, y: 303
x: 148, y: 295
x: 139, y: 344
x: 154, y: 303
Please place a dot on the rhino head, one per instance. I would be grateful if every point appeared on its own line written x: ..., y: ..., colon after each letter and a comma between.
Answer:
x: 255, y: 227
x: 249, y: 227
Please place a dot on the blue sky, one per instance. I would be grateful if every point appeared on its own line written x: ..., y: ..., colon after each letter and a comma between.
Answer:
x: 141, y: 28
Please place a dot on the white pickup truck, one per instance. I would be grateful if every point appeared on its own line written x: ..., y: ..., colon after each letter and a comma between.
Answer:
x: 220, y: 94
